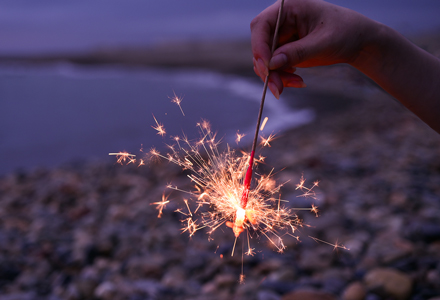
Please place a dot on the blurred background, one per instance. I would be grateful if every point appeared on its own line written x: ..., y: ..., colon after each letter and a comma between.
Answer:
x: 80, y: 79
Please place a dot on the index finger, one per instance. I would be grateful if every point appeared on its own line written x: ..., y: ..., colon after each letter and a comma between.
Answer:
x: 262, y: 30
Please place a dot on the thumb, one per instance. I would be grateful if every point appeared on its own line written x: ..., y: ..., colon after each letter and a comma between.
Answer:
x: 295, y: 53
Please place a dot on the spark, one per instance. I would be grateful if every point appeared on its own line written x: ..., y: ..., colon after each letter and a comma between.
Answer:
x: 307, y: 192
x: 261, y: 159
x: 315, y: 210
x: 161, y: 205
x: 123, y: 157
x: 160, y: 128
x: 177, y: 100
x: 266, y: 141
x: 242, y: 279
x: 264, y: 123
x: 335, y: 246
x: 215, y: 200
x: 218, y: 178
x: 239, y: 136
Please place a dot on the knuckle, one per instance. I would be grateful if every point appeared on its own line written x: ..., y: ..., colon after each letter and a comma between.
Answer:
x: 254, y: 22
x: 299, y: 54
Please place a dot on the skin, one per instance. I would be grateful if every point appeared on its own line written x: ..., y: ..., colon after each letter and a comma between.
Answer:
x: 317, y: 33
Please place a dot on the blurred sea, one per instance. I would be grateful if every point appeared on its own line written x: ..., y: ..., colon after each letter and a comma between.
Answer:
x: 61, y: 113
x: 54, y: 114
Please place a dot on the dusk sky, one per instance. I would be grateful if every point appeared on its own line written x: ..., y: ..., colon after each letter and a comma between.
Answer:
x: 48, y: 26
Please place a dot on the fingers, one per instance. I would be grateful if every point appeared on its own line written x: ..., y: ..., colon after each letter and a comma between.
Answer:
x: 275, y: 84
x: 262, y: 75
x: 262, y: 27
x: 260, y: 68
x: 280, y: 79
x: 292, y: 80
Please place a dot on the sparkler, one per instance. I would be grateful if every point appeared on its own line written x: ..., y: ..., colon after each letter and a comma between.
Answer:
x: 241, y: 218
x: 222, y: 184
x: 218, y: 178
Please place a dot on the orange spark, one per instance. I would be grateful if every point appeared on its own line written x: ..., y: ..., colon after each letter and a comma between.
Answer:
x: 314, y: 210
x: 239, y: 137
x: 266, y: 141
x: 123, y: 157
x: 177, y: 100
x: 336, y: 245
x: 161, y: 205
x: 160, y: 128
x: 218, y: 178
x: 307, y: 192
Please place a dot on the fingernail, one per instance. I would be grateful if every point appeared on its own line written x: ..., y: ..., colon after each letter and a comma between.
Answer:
x: 295, y: 83
x: 262, y: 67
x: 278, y: 61
x: 256, y: 71
x: 273, y: 88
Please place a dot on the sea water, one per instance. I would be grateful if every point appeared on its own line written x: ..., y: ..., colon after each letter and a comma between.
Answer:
x: 56, y: 114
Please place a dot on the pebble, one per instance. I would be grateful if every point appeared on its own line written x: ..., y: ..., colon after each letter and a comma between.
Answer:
x: 316, y: 260
x: 354, y: 291
x: 387, y: 248
x: 105, y: 290
x: 389, y: 281
x: 308, y: 295
x: 175, y: 277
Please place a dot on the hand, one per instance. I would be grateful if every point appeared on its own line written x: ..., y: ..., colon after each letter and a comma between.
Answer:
x: 312, y: 33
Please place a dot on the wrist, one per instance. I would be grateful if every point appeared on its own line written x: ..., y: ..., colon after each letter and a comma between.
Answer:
x: 374, y: 47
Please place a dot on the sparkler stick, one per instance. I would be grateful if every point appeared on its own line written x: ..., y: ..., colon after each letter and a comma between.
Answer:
x: 248, y: 178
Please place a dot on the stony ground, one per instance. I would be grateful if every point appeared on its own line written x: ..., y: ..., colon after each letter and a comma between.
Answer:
x: 90, y: 231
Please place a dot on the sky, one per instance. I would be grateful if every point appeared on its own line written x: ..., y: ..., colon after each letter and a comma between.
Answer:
x: 33, y: 27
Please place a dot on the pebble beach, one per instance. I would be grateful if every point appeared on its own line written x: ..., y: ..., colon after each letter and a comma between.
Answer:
x: 90, y: 231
